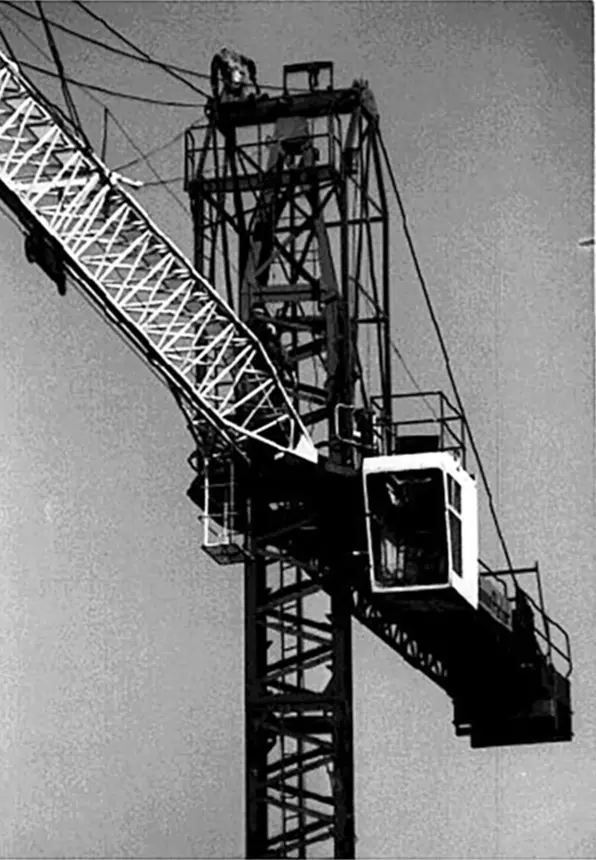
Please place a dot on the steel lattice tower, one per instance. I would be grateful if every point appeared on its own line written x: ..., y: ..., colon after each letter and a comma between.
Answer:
x: 289, y: 210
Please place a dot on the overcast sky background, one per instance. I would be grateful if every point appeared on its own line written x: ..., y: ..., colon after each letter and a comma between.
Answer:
x: 121, y: 714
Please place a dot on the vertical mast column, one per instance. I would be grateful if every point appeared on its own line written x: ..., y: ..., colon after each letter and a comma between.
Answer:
x: 286, y: 187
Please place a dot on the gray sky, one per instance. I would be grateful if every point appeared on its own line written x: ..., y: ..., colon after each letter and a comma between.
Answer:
x: 121, y: 721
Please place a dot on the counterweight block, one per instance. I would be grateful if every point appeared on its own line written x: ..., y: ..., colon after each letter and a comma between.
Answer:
x: 520, y: 709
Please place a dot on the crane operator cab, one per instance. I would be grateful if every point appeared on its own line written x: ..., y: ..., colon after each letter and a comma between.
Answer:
x: 422, y: 530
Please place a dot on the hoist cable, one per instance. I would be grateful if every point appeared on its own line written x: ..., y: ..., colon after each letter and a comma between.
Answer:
x: 147, y: 60
x: 164, y: 66
x: 84, y: 86
x: 445, y: 354
x: 141, y: 155
x: 160, y: 180
x: 8, y: 47
x: 133, y: 162
x: 66, y: 119
x: 412, y: 378
x: 71, y: 106
x: 104, y: 135
x: 108, y: 92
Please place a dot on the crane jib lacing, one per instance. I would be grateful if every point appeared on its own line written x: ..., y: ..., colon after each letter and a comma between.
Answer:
x: 60, y: 190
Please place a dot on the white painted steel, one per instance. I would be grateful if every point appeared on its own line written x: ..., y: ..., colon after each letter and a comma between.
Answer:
x: 216, y: 367
x: 467, y: 584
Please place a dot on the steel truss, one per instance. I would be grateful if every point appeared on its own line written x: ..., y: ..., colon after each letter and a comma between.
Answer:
x: 304, y: 231
x: 299, y: 756
x: 299, y: 760
x: 80, y: 219
x: 295, y: 217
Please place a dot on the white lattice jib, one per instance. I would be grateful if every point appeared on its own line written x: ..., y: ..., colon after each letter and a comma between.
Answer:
x: 212, y: 361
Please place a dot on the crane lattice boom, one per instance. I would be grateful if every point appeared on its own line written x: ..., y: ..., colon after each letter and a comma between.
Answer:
x: 65, y: 196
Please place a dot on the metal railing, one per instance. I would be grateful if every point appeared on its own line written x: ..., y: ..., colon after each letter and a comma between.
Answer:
x: 447, y: 422
x: 546, y: 629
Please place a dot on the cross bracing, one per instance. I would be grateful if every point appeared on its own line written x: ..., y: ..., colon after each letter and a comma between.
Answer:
x: 296, y: 706
x: 215, y: 366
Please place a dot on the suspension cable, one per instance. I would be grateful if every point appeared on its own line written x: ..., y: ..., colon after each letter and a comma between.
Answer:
x: 141, y: 155
x: 146, y: 58
x: 109, y: 92
x: 104, y: 45
x: 133, y: 162
x: 72, y: 108
x: 66, y: 119
x: 445, y: 354
x: 164, y: 66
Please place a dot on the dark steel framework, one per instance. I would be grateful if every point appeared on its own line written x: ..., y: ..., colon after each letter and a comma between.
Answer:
x: 289, y: 210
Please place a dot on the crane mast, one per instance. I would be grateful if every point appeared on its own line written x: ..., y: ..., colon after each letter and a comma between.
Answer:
x: 290, y: 214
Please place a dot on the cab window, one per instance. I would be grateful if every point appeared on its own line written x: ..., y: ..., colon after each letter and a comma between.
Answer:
x: 455, y: 526
x: 407, y: 527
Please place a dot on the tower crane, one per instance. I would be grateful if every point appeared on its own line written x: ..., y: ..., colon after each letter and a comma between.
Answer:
x: 340, y: 501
